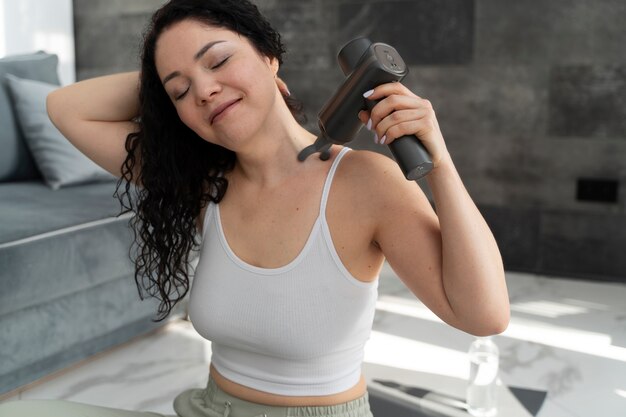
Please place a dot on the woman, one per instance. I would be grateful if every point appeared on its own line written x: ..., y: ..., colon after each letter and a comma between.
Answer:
x: 285, y: 287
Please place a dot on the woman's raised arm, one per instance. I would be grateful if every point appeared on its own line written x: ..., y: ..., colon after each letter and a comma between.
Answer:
x: 96, y: 116
x: 448, y: 258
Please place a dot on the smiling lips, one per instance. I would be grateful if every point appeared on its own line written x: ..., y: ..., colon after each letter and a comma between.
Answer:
x: 221, y: 108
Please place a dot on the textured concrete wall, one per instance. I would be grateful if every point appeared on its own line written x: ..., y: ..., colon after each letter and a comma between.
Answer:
x: 531, y: 98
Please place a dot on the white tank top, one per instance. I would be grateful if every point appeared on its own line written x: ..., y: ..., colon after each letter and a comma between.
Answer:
x: 297, y: 330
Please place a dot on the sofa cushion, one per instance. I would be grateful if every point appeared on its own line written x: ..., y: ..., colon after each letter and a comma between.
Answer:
x: 67, y: 262
x: 28, y: 209
x: 57, y: 242
x: 60, y: 163
x: 16, y: 163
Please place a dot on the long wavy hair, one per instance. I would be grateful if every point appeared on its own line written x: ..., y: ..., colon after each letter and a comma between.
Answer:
x: 178, y: 171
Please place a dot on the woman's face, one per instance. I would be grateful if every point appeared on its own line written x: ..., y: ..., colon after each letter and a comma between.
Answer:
x: 221, y: 86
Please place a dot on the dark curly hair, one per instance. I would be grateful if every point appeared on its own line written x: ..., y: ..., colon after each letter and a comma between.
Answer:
x: 179, y: 172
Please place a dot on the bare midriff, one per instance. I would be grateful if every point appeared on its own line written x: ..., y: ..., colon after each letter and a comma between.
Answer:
x: 261, y: 397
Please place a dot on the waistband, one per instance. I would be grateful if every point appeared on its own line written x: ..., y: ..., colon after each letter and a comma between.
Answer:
x: 227, y: 405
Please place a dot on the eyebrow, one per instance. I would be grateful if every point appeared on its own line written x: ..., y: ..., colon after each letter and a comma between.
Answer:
x: 196, y: 57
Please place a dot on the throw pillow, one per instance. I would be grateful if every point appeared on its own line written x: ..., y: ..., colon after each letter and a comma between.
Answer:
x: 16, y: 162
x: 60, y: 163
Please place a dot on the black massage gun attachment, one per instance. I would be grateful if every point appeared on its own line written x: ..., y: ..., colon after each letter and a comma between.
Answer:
x: 321, y: 145
x: 366, y: 66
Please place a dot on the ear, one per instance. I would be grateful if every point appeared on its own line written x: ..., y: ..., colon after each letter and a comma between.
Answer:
x: 273, y: 65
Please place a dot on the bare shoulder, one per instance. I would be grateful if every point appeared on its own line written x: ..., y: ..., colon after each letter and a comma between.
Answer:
x: 374, y: 174
x: 364, y: 165
x: 375, y: 184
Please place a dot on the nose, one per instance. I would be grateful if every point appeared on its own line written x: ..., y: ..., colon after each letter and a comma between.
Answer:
x: 205, y: 90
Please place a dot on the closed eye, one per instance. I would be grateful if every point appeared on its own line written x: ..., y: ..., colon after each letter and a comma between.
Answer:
x: 221, y: 63
x: 181, y: 95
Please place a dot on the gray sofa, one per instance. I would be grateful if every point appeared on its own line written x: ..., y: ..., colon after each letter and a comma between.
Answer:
x: 66, y: 282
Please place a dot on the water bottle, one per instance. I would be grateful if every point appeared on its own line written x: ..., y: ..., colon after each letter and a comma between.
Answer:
x: 481, y: 388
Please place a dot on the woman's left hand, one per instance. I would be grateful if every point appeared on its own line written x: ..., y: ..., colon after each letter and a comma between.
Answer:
x: 282, y: 87
x: 400, y: 113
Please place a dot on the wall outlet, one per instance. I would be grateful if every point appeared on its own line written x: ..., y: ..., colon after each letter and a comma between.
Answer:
x: 600, y: 190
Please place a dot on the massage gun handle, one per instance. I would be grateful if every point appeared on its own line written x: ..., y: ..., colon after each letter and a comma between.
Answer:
x: 410, y: 154
x: 412, y: 157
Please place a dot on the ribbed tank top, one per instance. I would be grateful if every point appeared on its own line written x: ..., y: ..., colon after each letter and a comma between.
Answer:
x: 297, y: 330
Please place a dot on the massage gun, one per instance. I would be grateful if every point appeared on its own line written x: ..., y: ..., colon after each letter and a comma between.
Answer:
x: 366, y: 66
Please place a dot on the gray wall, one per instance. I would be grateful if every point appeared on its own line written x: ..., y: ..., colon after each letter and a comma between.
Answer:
x: 530, y: 95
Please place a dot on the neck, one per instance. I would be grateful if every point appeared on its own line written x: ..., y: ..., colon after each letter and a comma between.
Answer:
x: 273, y: 156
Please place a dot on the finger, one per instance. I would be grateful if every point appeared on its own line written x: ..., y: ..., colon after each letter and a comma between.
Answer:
x: 388, y: 89
x: 364, y: 116
x: 394, y: 103
x: 398, y: 117
x: 282, y: 87
x: 426, y: 134
x: 420, y: 128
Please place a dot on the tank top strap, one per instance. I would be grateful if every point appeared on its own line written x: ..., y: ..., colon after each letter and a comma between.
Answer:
x: 208, y: 217
x: 210, y: 208
x: 329, y: 180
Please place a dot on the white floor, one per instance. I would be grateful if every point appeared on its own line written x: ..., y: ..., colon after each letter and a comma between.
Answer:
x: 566, y: 337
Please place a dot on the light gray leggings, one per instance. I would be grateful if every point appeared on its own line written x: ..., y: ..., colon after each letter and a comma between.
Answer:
x: 208, y: 402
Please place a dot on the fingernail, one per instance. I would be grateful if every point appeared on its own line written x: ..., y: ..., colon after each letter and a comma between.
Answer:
x: 368, y: 93
x: 288, y: 92
x: 369, y: 124
x: 375, y: 138
x: 383, y: 139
